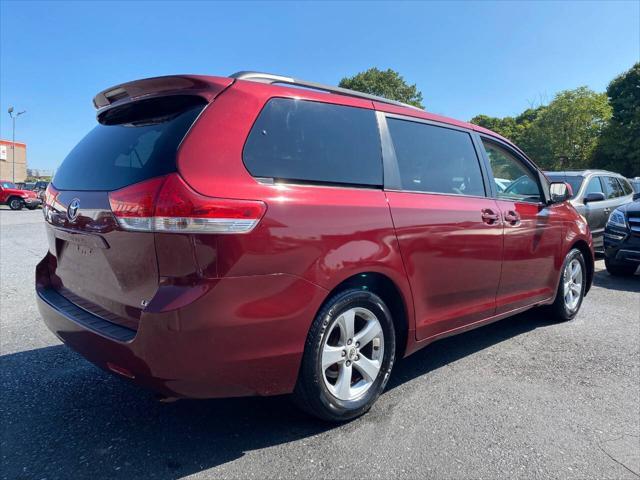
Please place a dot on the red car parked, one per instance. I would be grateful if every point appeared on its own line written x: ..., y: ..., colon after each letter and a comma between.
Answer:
x: 16, y: 198
x: 237, y: 236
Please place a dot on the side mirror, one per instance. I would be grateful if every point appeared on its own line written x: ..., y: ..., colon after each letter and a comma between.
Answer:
x: 560, y: 192
x: 636, y: 196
x: 594, y: 197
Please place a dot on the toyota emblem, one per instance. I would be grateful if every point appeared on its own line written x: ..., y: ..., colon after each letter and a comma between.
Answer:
x: 72, y: 209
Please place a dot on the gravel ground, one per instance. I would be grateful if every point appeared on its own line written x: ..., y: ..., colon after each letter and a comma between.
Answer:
x: 521, y: 398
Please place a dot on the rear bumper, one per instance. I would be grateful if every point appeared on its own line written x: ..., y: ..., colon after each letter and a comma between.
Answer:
x: 239, y: 336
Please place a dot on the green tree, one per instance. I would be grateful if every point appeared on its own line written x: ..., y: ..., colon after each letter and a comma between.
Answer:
x: 506, y: 126
x: 384, y: 83
x: 565, y: 134
x: 515, y: 129
x: 619, y: 147
x: 524, y: 121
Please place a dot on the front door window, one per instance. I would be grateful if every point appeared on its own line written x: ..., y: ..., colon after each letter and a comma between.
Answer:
x: 513, y: 180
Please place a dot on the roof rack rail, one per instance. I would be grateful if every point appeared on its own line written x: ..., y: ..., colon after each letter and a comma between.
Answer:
x: 271, y: 79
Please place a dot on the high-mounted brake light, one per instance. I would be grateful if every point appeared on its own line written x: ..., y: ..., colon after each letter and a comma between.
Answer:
x: 168, y: 204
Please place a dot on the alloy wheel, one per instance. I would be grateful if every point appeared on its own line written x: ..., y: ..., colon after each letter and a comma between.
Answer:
x: 572, y: 284
x: 352, y: 353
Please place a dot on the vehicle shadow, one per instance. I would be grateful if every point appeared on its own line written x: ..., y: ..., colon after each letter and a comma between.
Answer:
x: 448, y: 350
x: 603, y: 279
x: 64, y: 418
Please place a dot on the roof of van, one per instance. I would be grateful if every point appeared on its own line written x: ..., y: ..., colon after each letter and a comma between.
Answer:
x: 209, y: 86
x: 380, y: 103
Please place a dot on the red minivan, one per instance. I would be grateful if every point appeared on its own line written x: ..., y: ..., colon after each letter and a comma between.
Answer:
x: 262, y: 235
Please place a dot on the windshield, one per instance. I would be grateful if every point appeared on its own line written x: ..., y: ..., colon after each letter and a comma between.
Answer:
x: 574, y: 180
x: 8, y: 185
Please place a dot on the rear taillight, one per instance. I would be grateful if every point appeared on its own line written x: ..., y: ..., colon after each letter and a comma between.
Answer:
x: 50, y: 195
x: 133, y: 206
x: 168, y: 204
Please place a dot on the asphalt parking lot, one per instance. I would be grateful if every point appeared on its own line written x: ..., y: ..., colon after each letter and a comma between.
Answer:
x: 521, y: 398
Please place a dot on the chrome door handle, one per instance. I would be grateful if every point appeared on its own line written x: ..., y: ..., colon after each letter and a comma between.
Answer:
x: 512, y: 217
x: 489, y: 217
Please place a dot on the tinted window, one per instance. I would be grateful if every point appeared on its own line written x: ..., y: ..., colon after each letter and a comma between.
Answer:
x: 613, y: 187
x: 8, y: 185
x: 574, y: 180
x: 625, y: 186
x: 435, y: 159
x: 594, y: 186
x: 521, y: 183
x: 316, y: 142
x: 114, y: 156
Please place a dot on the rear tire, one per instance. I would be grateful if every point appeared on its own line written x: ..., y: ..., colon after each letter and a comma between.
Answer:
x: 345, y: 369
x: 571, y: 288
x: 15, y: 203
x: 618, y: 270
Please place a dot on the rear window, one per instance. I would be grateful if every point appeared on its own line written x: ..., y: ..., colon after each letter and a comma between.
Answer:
x: 114, y: 156
x: 299, y: 140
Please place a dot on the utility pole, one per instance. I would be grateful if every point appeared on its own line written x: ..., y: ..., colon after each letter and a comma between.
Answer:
x: 13, y: 140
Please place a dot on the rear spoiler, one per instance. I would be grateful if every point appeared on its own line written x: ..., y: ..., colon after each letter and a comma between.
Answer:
x: 199, y: 85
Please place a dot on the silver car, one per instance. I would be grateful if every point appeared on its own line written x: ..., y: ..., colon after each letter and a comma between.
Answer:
x: 596, y: 193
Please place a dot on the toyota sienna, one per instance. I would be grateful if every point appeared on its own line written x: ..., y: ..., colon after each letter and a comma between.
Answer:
x: 262, y: 235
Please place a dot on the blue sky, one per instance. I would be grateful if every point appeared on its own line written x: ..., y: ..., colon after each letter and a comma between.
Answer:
x: 495, y: 58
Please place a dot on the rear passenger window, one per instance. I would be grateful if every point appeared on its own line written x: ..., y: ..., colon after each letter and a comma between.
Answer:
x: 625, y: 186
x: 613, y: 187
x: 435, y: 159
x: 315, y: 142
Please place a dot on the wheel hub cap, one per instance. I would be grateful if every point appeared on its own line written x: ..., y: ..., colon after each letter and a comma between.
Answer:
x: 352, y: 353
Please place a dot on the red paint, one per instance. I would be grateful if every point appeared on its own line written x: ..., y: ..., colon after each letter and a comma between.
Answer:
x: 226, y: 315
x: 452, y: 257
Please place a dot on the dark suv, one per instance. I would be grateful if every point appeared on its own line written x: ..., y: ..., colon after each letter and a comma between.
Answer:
x: 622, y: 240
x: 217, y: 236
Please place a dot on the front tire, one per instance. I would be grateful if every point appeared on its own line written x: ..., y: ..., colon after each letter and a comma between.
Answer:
x: 618, y: 270
x: 348, y: 357
x: 15, y: 204
x: 571, y: 288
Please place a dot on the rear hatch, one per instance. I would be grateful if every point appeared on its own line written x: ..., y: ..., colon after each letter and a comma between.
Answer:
x: 100, y: 266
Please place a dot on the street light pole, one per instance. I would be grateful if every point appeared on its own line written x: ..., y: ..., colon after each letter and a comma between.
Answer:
x: 13, y: 141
